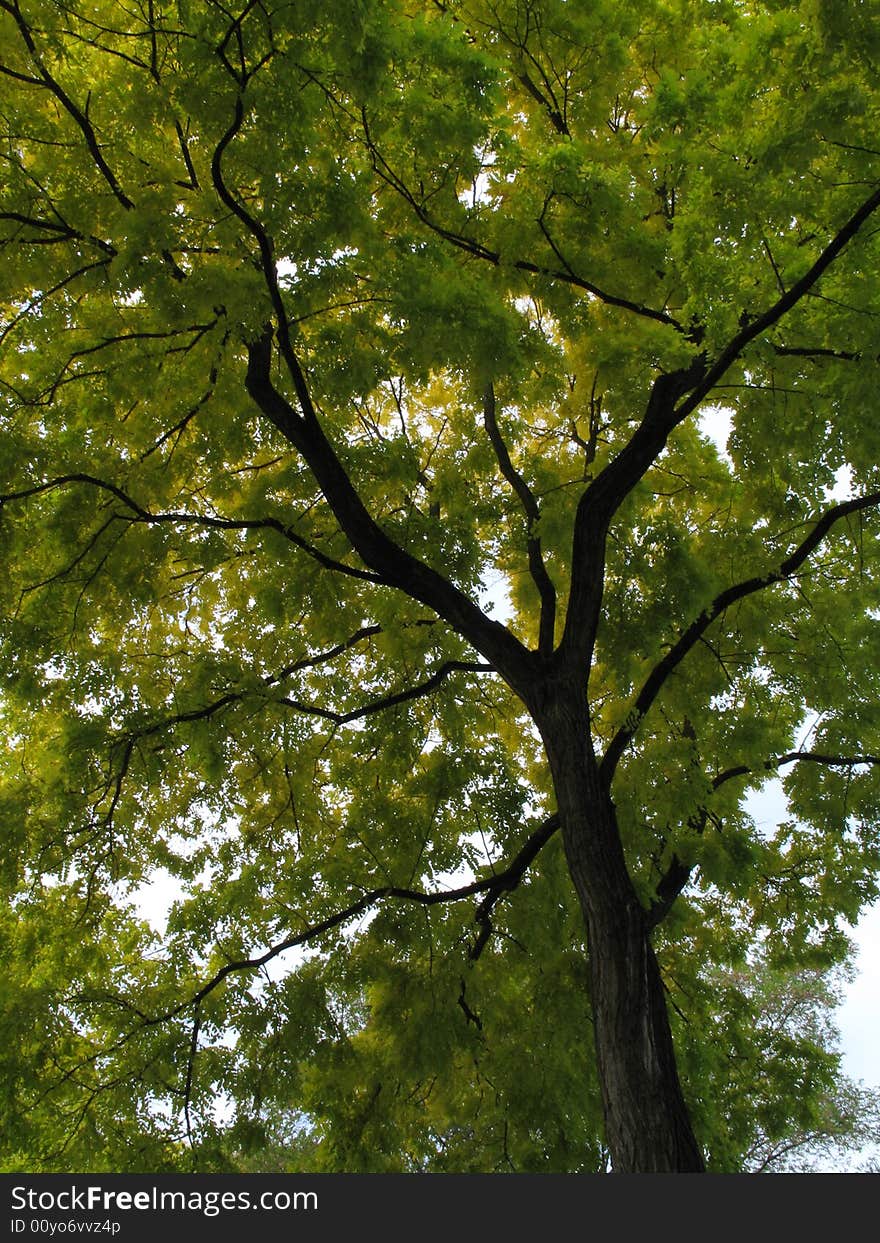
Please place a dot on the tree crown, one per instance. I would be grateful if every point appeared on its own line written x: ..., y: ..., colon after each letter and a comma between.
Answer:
x: 357, y: 369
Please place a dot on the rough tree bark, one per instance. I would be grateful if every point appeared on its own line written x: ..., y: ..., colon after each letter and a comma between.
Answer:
x: 647, y: 1124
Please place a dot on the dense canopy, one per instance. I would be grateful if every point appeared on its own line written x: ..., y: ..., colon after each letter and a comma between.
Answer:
x: 390, y: 635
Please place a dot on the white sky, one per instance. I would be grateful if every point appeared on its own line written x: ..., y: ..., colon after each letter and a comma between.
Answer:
x: 859, y: 1016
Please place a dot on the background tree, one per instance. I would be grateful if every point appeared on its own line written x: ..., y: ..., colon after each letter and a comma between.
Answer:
x: 323, y: 331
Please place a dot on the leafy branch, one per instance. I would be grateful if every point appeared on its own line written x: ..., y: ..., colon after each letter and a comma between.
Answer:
x: 419, y: 691
x: 537, y: 568
x: 794, y: 757
x: 790, y: 298
x: 694, y: 632
x: 45, y: 79
x: 678, y: 874
x: 479, y: 251
x: 674, y: 396
x: 492, y: 887
x: 176, y: 517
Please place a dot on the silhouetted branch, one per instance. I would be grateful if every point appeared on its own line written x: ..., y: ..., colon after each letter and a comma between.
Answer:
x: 673, y: 658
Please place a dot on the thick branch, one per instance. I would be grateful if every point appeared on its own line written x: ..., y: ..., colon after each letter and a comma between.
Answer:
x: 807, y: 351
x: 550, y: 106
x: 600, y: 501
x: 794, y: 757
x: 266, y: 264
x: 59, y: 232
x: 392, y: 564
x: 671, y: 884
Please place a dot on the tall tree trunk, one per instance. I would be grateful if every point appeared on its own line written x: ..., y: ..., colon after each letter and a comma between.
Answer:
x: 647, y: 1125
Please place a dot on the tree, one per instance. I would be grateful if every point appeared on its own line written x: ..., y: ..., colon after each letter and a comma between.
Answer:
x: 792, y: 1018
x: 326, y: 330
